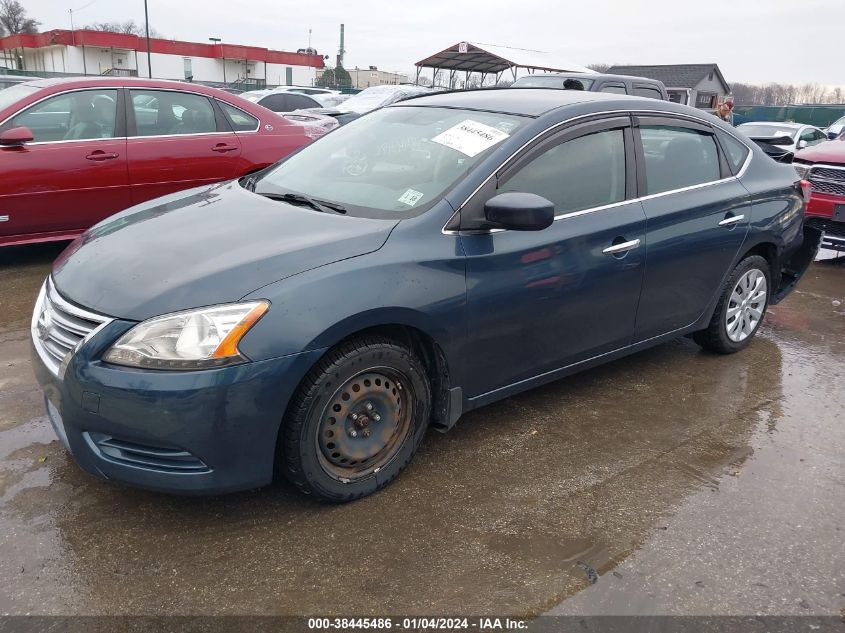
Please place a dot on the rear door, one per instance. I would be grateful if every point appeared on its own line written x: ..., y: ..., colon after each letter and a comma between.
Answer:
x: 698, y: 215
x: 178, y: 140
x: 73, y: 173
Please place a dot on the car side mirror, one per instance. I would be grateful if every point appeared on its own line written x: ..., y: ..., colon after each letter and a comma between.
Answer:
x: 801, y: 144
x: 832, y: 136
x: 16, y: 136
x: 519, y: 211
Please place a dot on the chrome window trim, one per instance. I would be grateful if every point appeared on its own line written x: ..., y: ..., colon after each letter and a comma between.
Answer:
x: 100, y: 139
x: 179, y: 135
x: 570, y: 214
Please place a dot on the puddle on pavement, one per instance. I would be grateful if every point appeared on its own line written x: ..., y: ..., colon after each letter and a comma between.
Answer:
x: 524, y: 503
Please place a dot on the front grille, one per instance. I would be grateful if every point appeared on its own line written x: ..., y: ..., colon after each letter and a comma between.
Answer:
x: 830, y: 228
x: 58, y: 326
x: 827, y: 180
x: 170, y: 460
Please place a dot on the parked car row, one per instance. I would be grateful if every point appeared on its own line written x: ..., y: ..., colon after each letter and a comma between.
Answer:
x: 74, y: 151
x: 816, y: 159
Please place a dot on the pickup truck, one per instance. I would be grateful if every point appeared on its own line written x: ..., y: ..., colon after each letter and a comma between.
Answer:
x: 823, y: 165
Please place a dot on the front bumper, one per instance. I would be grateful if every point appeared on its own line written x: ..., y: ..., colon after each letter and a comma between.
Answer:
x: 202, y: 432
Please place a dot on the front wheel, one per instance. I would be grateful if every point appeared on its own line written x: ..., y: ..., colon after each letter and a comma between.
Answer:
x: 356, y: 420
x: 744, y: 299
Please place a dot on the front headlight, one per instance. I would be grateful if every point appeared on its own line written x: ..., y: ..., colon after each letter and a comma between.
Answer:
x: 802, y: 169
x: 194, y: 339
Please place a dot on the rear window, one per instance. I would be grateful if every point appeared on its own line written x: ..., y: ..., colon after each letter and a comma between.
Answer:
x: 648, y: 92
x: 735, y: 151
x: 239, y: 120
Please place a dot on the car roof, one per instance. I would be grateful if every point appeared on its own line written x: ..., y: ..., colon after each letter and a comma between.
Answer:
x: 141, y: 82
x: 793, y: 126
x: 516, y: 100
x: 594, y: 76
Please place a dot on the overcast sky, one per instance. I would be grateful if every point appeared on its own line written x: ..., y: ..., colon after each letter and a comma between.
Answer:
x: 753, y: 41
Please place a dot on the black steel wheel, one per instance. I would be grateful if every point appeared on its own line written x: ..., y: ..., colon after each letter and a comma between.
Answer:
x: 356, y: 420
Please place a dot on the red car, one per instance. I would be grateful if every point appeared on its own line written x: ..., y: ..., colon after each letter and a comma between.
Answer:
x: 74, y: 151
x: 823, y: 166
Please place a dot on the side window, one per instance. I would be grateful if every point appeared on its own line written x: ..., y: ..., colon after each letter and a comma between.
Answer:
x: 169, y: 112
x: 677, y: 157
x: 647, y: 91
x: 813, y: 137
x: 735, y: 151
x: 240, y: 120
x: 617, y: 89
x: 72, y: 116
x: 297, y: 102
x: 276, y: 103
x: 586, y: 172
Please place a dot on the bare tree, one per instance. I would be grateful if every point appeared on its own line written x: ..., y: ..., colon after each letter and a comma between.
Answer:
x: 129, y: 27
x: 13, y: 19
x: 785, y: 94
x: 599, y: 68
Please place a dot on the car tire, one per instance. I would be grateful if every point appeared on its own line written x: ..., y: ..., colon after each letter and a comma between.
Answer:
x: 356, y: 420
x: 745, y: 295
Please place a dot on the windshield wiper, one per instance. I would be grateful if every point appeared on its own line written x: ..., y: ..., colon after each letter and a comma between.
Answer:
x: 298, y: 198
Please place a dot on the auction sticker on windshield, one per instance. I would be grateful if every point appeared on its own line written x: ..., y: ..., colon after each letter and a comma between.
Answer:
x: 470, y: 137
x: 410, y: 197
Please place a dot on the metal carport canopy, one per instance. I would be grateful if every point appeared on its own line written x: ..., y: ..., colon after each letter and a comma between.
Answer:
x: 490, y: 58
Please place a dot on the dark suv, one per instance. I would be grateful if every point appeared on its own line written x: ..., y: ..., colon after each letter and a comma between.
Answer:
x: 614, y: 84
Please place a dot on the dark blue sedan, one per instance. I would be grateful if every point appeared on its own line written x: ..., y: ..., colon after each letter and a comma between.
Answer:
x: 424, y: 260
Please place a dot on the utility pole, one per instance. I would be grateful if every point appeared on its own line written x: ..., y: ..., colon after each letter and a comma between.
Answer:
x: 149, y: 55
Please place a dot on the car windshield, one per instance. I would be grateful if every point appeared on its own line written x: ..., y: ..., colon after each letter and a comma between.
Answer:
x: 549, y: 81
x: 755, y: 129
x: 393, y: 162
x: 13, y: 94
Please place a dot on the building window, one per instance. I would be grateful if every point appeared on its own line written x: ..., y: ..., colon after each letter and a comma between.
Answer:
x: 189, y: 73
x: 705, y: 100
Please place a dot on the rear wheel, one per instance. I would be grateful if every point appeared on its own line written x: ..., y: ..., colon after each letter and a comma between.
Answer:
x: 356, y: 421
x: 744, y: 299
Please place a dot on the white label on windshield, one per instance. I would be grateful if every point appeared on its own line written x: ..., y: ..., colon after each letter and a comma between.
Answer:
x: 410, y: 197
x: 470, y: 137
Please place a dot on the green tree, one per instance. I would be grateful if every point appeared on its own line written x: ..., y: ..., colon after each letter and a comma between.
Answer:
x: 13, y: 19
x: 337, y: 77
x: 326, y: 80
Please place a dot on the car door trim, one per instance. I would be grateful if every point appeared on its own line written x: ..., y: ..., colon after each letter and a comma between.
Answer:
x: 564, y: 216
x: 624, y: 247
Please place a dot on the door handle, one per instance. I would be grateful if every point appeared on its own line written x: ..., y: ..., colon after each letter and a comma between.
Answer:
x: 732, y: 220
x: 101, y: 155
x: 222, y: 147
x: 621, y: 248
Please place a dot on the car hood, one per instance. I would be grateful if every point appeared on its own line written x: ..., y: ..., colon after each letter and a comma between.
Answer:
x: 202, y: 247
x: 827, y: 152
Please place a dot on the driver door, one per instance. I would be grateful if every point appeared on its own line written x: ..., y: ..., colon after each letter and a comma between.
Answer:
x: 74, y: 172
x: 538, y: 301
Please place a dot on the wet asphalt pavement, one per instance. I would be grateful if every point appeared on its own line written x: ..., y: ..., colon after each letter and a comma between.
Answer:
x: 673, y: 481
